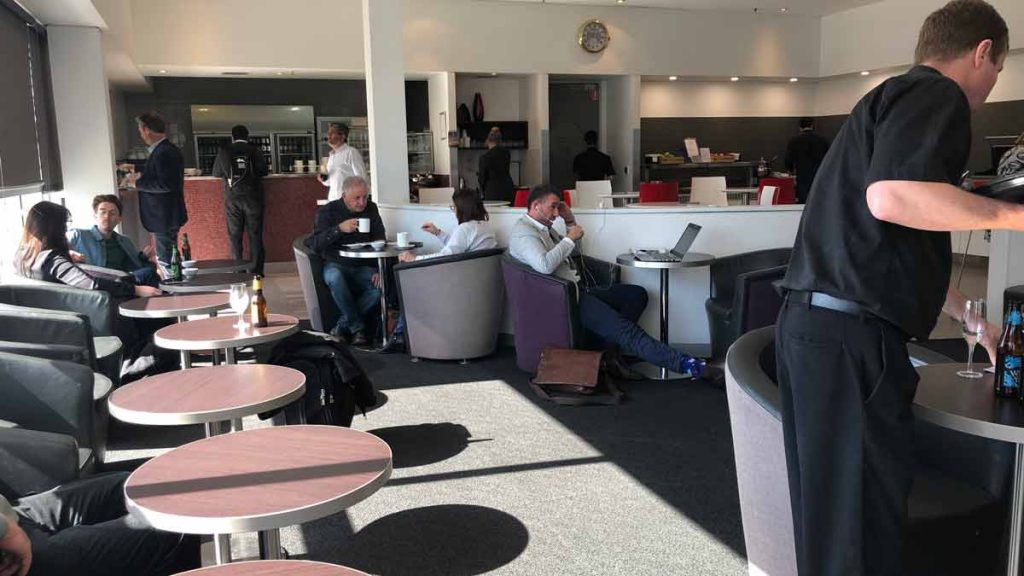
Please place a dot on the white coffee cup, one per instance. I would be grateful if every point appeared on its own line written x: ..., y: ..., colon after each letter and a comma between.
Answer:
x: 364, y: 224
x: 402, y: 238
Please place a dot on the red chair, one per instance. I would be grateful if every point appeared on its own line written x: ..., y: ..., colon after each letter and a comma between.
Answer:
x: 659, y: 192
x: 785, y: 192
x: 521, y: 195
x: 567, y: 197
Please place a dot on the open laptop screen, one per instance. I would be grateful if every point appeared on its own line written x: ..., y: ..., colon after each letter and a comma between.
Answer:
x: 686, y: 240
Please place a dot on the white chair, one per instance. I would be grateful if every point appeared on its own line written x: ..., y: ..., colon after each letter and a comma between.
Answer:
x: 768, y: 195
x: 436, y: 195
x: 588, y: 193
x: 708, y: 190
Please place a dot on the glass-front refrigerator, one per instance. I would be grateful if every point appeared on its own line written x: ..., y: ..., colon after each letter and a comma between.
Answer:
x: 207, y: 147
x: 293, y: 147
x: 264, y: 144
x: 421, y: 152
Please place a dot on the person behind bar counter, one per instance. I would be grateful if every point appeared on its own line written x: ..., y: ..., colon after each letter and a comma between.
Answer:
x: 870, y: 269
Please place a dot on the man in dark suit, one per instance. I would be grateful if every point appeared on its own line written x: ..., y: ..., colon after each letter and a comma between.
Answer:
x: 242, y: 166
x: 803, y: 156
x: 161, y: 187
x: 495, y: 178
x: 592, y: 164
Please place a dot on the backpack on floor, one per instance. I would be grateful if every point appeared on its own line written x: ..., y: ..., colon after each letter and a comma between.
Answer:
x: 335, y: 382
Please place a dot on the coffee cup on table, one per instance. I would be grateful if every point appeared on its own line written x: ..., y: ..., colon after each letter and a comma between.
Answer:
x: 402, y: 239
x: 364, y: 224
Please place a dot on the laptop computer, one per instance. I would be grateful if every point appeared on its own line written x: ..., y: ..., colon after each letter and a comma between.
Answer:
x: 677, y: 253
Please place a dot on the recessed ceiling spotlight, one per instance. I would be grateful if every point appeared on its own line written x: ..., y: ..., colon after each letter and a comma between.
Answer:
x: 865, y: 73
x: 783, y: 9
x: 163, y: 71
x: 280, y: 73
x: 673, y: 78
x: 794, y: 79
x: 295, y: 108
x: 494, y: 73
x: 734, y: 79
x: 620, y: 1
x: 204, y: 109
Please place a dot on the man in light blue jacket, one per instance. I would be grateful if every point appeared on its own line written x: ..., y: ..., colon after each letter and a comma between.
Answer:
x: 102, y: 246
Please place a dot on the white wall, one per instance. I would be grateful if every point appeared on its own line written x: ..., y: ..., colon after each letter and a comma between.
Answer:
x: 500, y: 96
x: 711, y: 99
x: 81, y: 101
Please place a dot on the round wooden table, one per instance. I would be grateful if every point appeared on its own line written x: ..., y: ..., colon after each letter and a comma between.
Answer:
x: 206, y: 282
x: 258, y: 480
x: 689, y: 260
x: 220, y: 332
x: 207, y: 395
x: 275, y: 568
x: 391, y: 250
x: 175, y: 306
x: 970, y: 406
x: 225, y: 265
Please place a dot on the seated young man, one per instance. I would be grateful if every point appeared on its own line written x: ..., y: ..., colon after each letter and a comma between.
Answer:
x: 354, y: 282
x: 610, y: 312
x: 83, y: 528
x: 101, y: 245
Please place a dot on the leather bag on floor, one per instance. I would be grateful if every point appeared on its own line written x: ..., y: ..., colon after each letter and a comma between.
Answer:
x: 574, y: 378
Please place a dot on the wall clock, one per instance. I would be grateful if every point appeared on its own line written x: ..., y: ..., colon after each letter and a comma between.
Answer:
x: 593, y: 36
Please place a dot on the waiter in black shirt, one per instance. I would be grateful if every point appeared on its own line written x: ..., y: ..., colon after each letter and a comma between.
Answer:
x: 870, y: 269
x: 803, y: 156
x: 242, y: 166
x: 592, y: 164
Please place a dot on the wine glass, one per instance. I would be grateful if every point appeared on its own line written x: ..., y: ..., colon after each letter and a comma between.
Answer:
x: 239, y: 300
x: 974, y: 324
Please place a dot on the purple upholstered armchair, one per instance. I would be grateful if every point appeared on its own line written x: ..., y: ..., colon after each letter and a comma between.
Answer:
x: 544, y: 308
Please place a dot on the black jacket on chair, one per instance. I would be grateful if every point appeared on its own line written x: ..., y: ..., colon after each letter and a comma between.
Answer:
x: 162, y: 190
x: 495, y: 178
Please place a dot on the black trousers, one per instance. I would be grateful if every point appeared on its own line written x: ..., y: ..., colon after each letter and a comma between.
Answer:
x: 245, y: 211
x: 846, y: 385
x: 82, y: 528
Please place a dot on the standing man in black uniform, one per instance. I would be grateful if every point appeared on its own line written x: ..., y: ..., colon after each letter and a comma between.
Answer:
x: 592, y: 164
x: 804, y: 154
x: 242, y: 166
x: 870, y: 269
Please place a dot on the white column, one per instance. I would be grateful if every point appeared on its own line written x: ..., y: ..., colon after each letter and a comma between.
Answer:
x: 81, y: 102
x: 385, y: 100
x: 1004, y: 269
x: 623, y: 128
x: 535, y: 107
x: 442, y: 105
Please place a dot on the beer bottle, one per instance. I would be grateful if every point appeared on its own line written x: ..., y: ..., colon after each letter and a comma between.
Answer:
x: 1009, y: 355
x: 186, y: 248
x: 175, y: 264
x: 258, y: 308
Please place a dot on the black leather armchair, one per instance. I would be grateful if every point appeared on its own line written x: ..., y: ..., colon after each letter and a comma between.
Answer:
x: 32, y: 461
x: 452, y: 305
x: 743, y: 296
x: 544, y: 307
x: 51, y: 396
x: 323, y: 313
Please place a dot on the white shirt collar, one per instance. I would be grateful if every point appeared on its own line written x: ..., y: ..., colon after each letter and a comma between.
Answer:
x: 537, y: 224
x: 155, y: 144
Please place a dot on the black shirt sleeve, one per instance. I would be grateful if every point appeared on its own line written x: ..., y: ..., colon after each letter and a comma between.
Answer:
x: 609, y: 170
x: 63, y: 270
x: 922, y: 134
x: 483, y: 171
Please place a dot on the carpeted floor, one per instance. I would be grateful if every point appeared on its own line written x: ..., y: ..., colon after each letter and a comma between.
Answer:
x: 489, y: 479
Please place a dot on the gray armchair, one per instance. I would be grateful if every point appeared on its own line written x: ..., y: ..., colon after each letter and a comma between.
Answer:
x: 452, y: 305
x: 743, y: 296
x: 958, y: 496
x: 32, y: 461
x: 323, y: 313
x: 51, y: 396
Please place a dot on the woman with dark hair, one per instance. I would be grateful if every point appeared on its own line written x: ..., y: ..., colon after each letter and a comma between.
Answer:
x: 1013, y: 161
x: 43, y: 254
x: 473, y: 233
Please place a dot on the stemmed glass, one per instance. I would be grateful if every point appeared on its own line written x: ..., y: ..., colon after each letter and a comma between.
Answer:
x: 974, y: 324
x: 239, y: 301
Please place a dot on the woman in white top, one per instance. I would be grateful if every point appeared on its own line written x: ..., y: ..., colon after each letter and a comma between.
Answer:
x: 473, y: 233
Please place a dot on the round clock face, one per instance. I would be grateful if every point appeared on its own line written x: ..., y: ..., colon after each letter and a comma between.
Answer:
x: 593, y: 36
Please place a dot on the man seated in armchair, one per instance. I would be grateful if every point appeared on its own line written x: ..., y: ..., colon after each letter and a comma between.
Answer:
x: 609, y: 312
x: 103, y: 246
x: 354, y: 282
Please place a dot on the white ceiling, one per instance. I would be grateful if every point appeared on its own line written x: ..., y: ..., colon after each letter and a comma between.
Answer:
x: 806, y: 7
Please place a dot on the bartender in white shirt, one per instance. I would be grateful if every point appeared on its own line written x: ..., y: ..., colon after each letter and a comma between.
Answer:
x: 343, y: 162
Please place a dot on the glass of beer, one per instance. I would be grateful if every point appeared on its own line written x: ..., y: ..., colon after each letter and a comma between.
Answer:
x: 974, y: 324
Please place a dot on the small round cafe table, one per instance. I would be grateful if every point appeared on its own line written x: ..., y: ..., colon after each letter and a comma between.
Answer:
x: 220, y: 332
x: 177, y: 306
x: 219, y: 266
x: 391, y: 250
x: 275, y: 568
x: 206, y: 282
x: 258, y: 481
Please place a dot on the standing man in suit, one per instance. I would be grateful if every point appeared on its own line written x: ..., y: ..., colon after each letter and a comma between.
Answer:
x: 495, y: 179
x: 592, y: 164
x: 803, y: 156
x: 161, y: 187
x: 242, y: 166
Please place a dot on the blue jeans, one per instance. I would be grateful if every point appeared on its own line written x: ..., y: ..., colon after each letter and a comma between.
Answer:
x: 612, y: 313
x: 353, y: 291
x: 164, y: 242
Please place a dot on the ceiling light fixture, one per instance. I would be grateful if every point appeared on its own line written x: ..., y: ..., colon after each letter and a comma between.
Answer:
x: 494, y: 73
x: 204, y: 109
x: 280, y: 73
x: 783, y: 9
x: 673, y: 78
x: 794, y: 79
x: 865, y: 73
x: 620, y: 1
x: 163, y: 71
x: 295, y: 108
x: 734, y: 79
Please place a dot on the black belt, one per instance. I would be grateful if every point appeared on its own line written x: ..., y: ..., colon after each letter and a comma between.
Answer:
x: 822, y: 300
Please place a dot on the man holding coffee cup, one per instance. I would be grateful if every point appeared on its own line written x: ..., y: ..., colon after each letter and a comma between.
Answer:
x: 354, y: 283
x: 343, y: 162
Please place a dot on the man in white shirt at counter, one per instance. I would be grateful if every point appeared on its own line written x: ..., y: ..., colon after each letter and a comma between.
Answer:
x: 343, y: 162
x: 609, y: 312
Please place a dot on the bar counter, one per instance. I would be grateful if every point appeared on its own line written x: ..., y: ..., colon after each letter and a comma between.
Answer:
x: 289, y: 213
